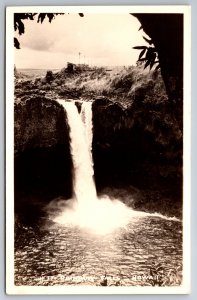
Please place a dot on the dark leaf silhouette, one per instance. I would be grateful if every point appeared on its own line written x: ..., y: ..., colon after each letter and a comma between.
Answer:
x: 18, y: 25
x: 50, y: 17
x: 150, y: 53
x: 21, y: 27
x: 16, y: 43
x: 41, y: 18
x: 153, y: 56
x: 141, y: 54
x: 140, y: 47
x: 151, y: 64
x: 81, y: 15
x: 142, y: 59
x: 31, y: 16
x: 147, y: 64
x: 147, y: 40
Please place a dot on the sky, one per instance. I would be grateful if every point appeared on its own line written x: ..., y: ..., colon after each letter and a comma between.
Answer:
x: 101, y: 40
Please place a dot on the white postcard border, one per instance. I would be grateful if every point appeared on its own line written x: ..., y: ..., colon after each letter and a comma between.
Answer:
x: 10, y: 287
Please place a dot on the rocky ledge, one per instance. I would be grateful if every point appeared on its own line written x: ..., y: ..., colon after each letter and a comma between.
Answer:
x: 39, y: 123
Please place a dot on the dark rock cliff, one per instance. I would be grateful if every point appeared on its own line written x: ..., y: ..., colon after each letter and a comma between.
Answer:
x: 129, y: 147
x: 43, y: 165
x: 39, y: 122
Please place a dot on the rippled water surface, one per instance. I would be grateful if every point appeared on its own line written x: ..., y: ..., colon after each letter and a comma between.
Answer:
x: 148, y: 251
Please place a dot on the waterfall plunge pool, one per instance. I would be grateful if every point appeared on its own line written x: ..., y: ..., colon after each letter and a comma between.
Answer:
x: 146, y: 251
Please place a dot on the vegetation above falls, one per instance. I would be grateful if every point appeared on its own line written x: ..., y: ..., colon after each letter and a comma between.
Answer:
x: 121, y: 84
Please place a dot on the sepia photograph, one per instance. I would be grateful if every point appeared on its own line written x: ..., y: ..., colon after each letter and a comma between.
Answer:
x: 97, y: 150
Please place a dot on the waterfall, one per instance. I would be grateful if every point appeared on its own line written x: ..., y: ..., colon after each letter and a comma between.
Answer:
x: 100, y: 215
x: 81, y: 150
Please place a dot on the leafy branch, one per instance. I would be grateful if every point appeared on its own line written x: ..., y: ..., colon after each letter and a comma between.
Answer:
x: 148, y: 55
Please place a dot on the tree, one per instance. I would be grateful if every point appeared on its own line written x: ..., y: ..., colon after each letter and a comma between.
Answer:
x: 166, y: 34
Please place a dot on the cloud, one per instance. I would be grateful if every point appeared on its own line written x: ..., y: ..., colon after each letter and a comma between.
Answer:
x: 42, y: 45
x: 36, y: 37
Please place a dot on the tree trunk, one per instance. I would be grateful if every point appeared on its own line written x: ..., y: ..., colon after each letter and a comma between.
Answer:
x: 166, y: 33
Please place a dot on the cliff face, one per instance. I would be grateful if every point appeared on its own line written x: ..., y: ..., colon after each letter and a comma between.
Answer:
x: 43, y: 165
x: 39, y: 122
x: 134, y: 145
x: 129, y: 145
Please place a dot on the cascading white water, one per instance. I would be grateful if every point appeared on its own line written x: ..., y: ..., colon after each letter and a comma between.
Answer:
x: 81, y: 151
x: 86, y: 116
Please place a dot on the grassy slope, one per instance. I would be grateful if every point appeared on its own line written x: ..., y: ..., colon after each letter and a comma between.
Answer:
x: 120, y: 84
